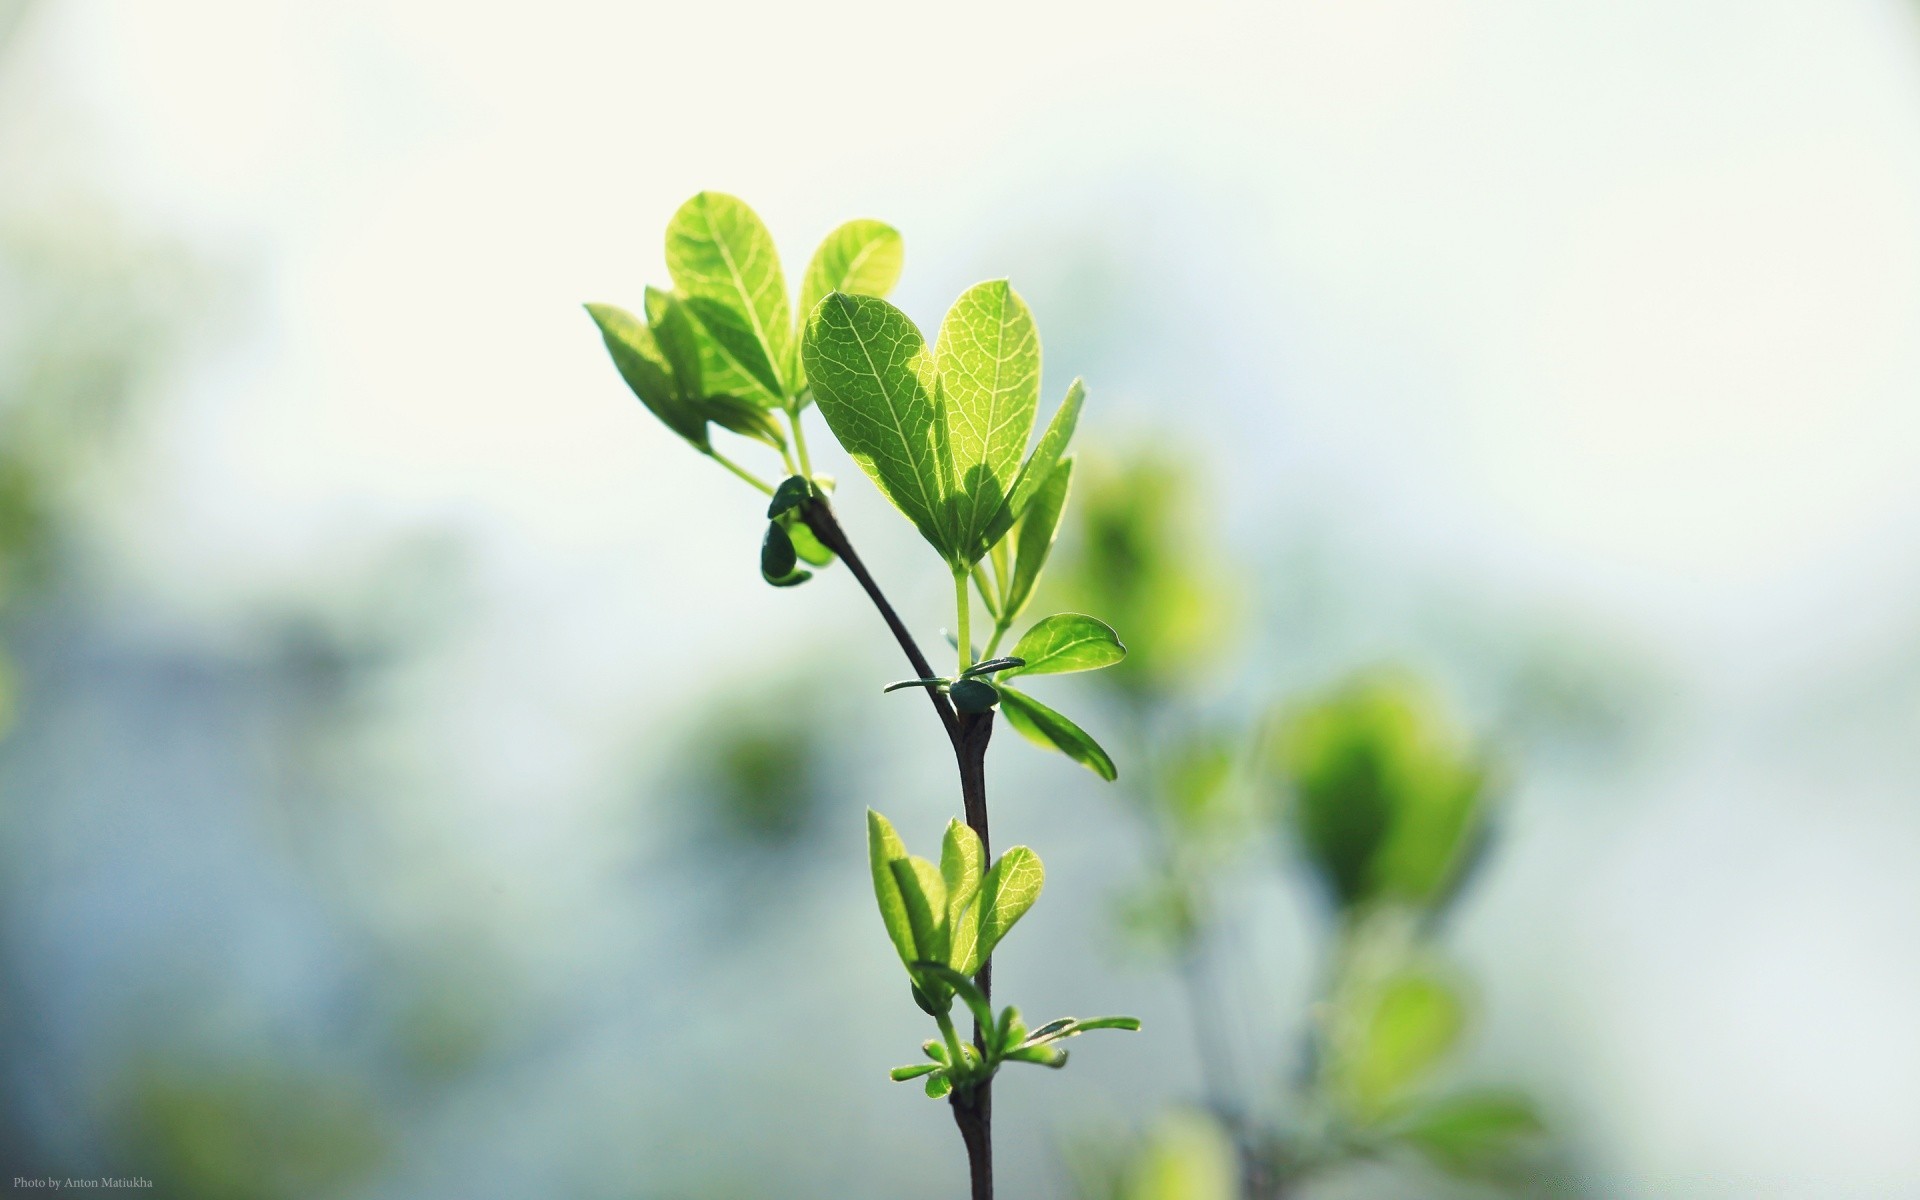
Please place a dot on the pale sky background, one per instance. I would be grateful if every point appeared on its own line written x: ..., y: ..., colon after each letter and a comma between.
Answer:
x: 1606, y: 306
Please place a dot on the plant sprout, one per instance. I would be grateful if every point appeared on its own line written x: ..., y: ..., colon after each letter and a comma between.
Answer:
x: 944, y: 433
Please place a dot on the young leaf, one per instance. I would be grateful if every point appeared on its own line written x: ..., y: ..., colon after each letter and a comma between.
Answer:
x: 723, y: 261
x: 1038, y: 526
x: 674, y: 333
x: 1011, y: 1030
x: 931, y: 681
x: 962, y: 866
x: 1045, y: 727
x: 791, y: 493
x: 860, y: 258
x: 939, y: 1084
x: 1067, y: 642
x: 963, y: 987
x: 1402, y: 1029
x: 902, y: 1074
x: 1039, y: 464
x: 884, y: 848
x: 1473, y: 1133
x: 805, y: 543
x: 1046, y: 1056
x: 1005, y: 663
x: 973, y: 695
x: 874, y: 382
x: 777, y: 555
x: 935, y: 1049
x: 988, y: 356
x: 745, y: 419
x: 925, y: 894
x: 1006, y: 894
x: 638, y: 358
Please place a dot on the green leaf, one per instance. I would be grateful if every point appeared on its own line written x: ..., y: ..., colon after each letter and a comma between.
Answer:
x: 640, y: 362
x: 1045, y: 727
x: 777, y: 555
x: 925, y: 894
x: 1067, y: 642
x: 1034, y: 536
x: 792, y: 492
x: 673, y: 331
x: 1473, y: 1133
x: 935, y: 1049
x: 988, y: 667
x: 1006, y: 894
x: 962, y: 866
x: 861, y: 258
x: 884, y: 848
x: 902, y: 1074
x: 874, y: 381
x: 745, y: 419
x: 1011, y: 1030
x: 1040, y: 464
x: 723, y: 261
x: 988, y: 356
x: 1046, y: 1056
x: 931, y: 681
x: 1400, y: 1030
x: 973, y: 695
x: 939, y: 1084
x: 963, y: 987
x: 805, y: 543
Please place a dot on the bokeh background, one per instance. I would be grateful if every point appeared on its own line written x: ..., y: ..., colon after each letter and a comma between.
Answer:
x: 411, y: 791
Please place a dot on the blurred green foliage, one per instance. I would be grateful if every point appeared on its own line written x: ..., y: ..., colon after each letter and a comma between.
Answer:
x: 1388, y: 801
x: 260, y: 1131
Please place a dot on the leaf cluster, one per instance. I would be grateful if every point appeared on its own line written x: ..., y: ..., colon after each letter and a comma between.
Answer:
x: 944, y: 921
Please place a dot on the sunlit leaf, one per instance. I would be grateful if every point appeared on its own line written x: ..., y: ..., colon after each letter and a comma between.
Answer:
x: 1034, y: 537
x: 988, y: 356
x: 925, y: 894
x: 1006, y: 894
x: 679, y: 342
x: 1040, y: 464
x: 861, y: 258
x: 1045, y: 727
x: 640, y: 362
x: 723, y: 261
x: 962, y: 866
x: 1067, y: 642
x: 884, y: 848
x: 873, y: 379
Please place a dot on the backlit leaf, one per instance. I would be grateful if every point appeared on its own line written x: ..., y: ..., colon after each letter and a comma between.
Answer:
x: 638, y: 359
x: 1034, y: 536
x: 861, y: 258
x: 1045, y: 727
x: 988, y: 356
x: 1006, y: 894
x: 873, y: 379
x: 723, y: 261
x: 884, y: 848
x: 1067, y: 642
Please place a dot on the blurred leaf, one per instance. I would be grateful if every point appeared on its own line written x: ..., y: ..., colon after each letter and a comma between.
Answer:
x: 641, y: 364
x: 723, y: 261
x: 1140, y: 555
x: 1195, y: 783
x: 1474, y: 1134
x: 1034, y: 537
x: 805, y: 544
x: 1399, y: 1030
x: 862, y: 257
x: 884, y: 848
x: 902, y: 1074
x: 792, y: 492
x: 1387, y: 799
x: 1187, y: 1156
x: 744, y: 418
x: 988, y: 359
x: 963, y: 987
x: 1067, y: 642
x: 874, y: 382
x: 1045, y: 727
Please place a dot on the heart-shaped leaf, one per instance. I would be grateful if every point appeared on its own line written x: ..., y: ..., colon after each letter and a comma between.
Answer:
x: 1045, y: 727
x: 723, y: 262
x: 874, y: 381
x: 1067, y: 642
x: 988, y: 357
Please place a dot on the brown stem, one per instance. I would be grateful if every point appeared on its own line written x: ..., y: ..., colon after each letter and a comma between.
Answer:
x: 969, y: 733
